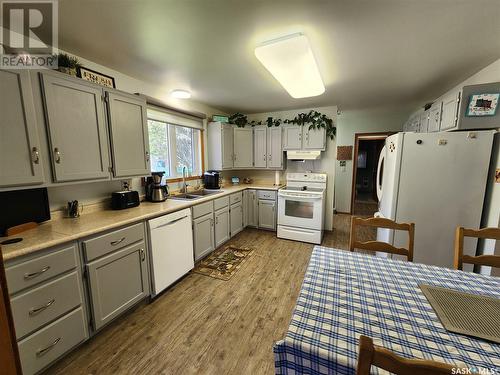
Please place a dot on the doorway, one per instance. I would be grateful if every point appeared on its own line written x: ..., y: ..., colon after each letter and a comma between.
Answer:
x: 367, y: 148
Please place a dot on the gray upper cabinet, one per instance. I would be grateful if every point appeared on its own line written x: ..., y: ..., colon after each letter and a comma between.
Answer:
x: 76, y: 128
x: 275, y: 148
x: 227, y: 147
x: 434, y: 117
x: 292, y: 137
x: 117, y: 281
x: 20, y: 159
x: 259, y: 147
x: 314, y: 139
x: 220, y: 146
x: 243, y: 147
x: 203, y: 236
x: 449, y: 112
x: 129, y: 134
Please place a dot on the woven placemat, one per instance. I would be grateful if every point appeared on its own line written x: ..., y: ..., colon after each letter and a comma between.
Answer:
x: 468, y: 314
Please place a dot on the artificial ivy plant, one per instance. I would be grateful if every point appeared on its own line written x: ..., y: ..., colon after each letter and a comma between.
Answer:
x: 314, y: 119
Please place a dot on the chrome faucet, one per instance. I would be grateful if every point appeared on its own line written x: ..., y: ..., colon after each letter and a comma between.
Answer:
x: 184, y: 185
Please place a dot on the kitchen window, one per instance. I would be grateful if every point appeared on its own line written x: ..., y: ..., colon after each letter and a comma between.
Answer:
x: 173, y: 147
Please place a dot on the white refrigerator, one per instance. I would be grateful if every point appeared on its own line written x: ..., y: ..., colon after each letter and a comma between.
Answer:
x: 438, y: 182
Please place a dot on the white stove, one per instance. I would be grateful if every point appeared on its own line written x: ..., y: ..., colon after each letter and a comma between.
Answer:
x: 301, y: 207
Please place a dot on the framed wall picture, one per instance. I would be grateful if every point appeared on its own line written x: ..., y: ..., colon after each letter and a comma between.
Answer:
x: 482, y: 105
x: 96, y: 77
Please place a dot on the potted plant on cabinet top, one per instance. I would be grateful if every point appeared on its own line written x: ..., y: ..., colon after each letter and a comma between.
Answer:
x: 67, y: 64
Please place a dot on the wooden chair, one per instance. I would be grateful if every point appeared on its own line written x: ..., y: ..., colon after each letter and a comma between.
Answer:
x: 481, y: 260
x: 370, y: 354
x: 379, y: 222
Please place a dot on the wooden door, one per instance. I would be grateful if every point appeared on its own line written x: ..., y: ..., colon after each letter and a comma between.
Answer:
x: 292, y: 137
x: 275, y: 147
x: 117, y: 282
x: 20, y: 159
x: 259, y: 147
x: 76, y: 128
x: 203, y: 235
x: 129, y: 134
x: 243, y: 148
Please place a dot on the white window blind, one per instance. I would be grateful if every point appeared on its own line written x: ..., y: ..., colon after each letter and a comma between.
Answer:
x: 171, y: 117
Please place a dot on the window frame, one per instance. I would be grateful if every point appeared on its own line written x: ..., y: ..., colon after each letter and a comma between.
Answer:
x: 199, y: 152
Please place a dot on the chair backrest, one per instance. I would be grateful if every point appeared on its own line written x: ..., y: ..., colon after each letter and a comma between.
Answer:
x: 370, y: 354
x: 482, y: 260
x: 379, y: 222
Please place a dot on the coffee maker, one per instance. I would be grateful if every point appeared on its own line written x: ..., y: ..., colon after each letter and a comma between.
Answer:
x: 155, y: 191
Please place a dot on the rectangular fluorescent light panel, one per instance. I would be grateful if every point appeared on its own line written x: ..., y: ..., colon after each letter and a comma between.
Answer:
x: 290, y: 60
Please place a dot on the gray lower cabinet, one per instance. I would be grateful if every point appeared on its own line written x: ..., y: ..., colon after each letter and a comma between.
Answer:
x: 129, y: 134
x: 252, y: 209
x: 236, y: 219
x: 222, y: 229
x: 203, y: 236
x: 117, y: 281
x: 76, y: 128
x: 267, y: 214
x: 20, y: 159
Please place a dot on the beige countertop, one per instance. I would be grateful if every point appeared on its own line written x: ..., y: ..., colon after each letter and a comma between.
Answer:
x: 58, y: 231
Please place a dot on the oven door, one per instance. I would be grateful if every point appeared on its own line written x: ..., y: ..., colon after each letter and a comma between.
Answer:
x: 300, y: 210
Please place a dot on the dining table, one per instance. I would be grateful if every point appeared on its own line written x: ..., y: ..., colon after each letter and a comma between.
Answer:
x: 347, y: 294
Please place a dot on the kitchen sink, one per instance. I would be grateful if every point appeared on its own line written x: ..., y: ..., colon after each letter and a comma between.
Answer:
x: 195, y: 195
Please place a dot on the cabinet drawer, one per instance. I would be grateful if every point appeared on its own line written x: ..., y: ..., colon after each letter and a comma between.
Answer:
x: 43, y: 347
x: 203, y: 209
x: 236, y: 197
x: 221, y: 203
x: 34, y: 271
x: 41, y: 305
x: 266, y: 194
x: 102, y: 245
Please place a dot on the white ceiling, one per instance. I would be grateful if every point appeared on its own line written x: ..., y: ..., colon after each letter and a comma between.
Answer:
x: 370, y: 52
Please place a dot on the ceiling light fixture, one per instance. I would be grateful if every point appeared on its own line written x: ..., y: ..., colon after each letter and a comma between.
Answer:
x: 291, y: 61
x: 180, y: 94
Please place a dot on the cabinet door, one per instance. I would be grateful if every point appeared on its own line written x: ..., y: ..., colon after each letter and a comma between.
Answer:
x: 424, y: 122
x: 434, y: 117
x: 267, y: 214
x: 292, y: 137
x: 20, y: 161
x: 227, y: 147
x: 77, y: 129
x: 221, y: 226
x: 314, y: 139
x: 449, y: 112
x: 203, y: 236
x: 129, y: 134
x: 236, y: 219
x: 117, y: 281
x: 274, y: 148
x: 243, y: 148
x: 252, y: 208
x: 259, y: 147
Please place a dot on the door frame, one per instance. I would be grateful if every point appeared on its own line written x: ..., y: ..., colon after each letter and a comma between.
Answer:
x: 362, y: 137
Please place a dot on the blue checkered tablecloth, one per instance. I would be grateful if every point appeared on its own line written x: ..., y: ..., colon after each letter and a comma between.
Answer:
x: 345, y: 295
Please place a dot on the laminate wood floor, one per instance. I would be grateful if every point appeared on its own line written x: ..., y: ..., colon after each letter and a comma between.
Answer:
x: 202, y: 325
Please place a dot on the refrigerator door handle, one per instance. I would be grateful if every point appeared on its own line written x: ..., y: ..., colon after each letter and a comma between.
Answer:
x: 379, y: 168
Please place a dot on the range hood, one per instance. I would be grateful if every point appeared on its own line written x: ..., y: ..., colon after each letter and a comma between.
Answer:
x: 303, y: 155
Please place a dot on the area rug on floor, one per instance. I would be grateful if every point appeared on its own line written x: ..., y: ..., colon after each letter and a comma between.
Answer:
x: 223, y: 263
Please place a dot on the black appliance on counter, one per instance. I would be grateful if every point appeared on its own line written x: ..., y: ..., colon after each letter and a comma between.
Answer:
x: 124, y: 199
x: 23, y: 206
x: 211, y: 180
x: 155, y: 191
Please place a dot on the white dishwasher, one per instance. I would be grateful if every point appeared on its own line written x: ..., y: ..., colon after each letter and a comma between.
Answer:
x: 171, y: 240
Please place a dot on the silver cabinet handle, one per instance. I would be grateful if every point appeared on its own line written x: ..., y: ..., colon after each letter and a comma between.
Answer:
x: 57, y: 155
x: 36, y: 310
x: 270, y: 157
x: 216, y: 220
x: 31, y: 275
x: 114, y: 243
x: 143, y: 255
x: 41, y: 352
x: 35, y: 155
x: 212, y: 222
x: 147, y: 156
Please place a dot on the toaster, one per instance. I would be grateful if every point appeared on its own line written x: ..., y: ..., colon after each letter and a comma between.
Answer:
x: 124, y: 199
